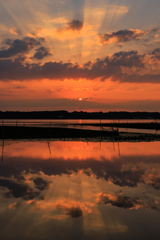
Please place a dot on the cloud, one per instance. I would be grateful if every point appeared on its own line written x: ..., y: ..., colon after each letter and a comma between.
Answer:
x: 119, y: 201
x: 110, y: 67
x: 18, y: 46
x: 40, y: 183
x: 73, y: 211
x: 156, y: 54
x: 18, y: 190
x: 123, y: 66
x: 125, y: 59
x: 146, y: 78
x: 155, y: 51
x: 125, y: 202
x: 121, y: 36
x: 120, y: 171
x: 74, y: 25
x: 155, y: 183
x: 126, y: 178
x: 15, y: 31
x: 42, y: 52
x: 58, y: 166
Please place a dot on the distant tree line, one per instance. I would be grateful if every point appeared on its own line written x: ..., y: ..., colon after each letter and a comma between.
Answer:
x: 78, y: 115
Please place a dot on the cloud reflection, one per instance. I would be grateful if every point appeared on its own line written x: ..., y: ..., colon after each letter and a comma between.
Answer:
x: 93, y: 192
x: 18, y: 190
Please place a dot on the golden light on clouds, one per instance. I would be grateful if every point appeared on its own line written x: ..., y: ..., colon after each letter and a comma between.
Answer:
x: 108, y: 47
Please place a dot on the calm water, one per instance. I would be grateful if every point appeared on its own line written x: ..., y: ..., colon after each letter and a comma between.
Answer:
x: 44, y: 122
x: 79, y: 190
x: 71, y: 123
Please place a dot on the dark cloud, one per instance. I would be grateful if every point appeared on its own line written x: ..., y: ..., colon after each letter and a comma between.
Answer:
x: 75, y: 212
x: 75, y: 25
x: 155, y: 183
x: 146, y: 78
x: 18, y: 190
x: 109, y: 170
x: 119, y: 201
x: 126, y: 59
x: 155, y: 51
x: 127, y: 178
x: 126, y: 35
x: 126, y: 202
x: 40, y: 183
x: 121, y: 36
x: 156, y: 54
x: 18, y: 46
x: 111, y: 66
x: 42, y: 52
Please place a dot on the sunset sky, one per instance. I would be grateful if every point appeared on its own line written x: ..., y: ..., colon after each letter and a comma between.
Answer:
x: 80, y: 55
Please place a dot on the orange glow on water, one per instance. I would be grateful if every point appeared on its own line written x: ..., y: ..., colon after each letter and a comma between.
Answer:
x: 80, y: 150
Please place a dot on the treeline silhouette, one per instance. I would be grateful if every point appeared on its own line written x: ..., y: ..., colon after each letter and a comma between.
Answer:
x: 78, y: 115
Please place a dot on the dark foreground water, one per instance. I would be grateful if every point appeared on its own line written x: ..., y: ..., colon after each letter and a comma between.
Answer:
x: 79, y: 190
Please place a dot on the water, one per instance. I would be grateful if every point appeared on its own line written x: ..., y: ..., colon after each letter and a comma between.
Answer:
x: 43, y: 122
x: 71, y: 123
x: 79, y: 190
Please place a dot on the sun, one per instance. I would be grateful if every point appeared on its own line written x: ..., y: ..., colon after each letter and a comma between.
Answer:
x: 80, y: 99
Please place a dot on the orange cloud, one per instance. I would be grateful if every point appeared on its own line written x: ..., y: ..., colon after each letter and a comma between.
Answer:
x: 71, y: 208
x: 14, y: 31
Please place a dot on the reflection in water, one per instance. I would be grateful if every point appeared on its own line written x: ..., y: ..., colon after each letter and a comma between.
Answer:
x: 2, y: 150
x: 79, y: 190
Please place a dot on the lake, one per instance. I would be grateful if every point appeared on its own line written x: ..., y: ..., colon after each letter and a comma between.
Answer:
x: 79, y: 190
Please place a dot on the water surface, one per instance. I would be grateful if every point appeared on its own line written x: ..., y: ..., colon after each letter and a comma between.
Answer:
x: 80, y: 124
x: 79, y: 190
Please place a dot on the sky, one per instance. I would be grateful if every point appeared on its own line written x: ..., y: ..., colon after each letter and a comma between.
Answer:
x: 80, y: 55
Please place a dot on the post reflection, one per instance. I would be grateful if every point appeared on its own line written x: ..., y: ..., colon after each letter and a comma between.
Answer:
x: 79, y: 190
